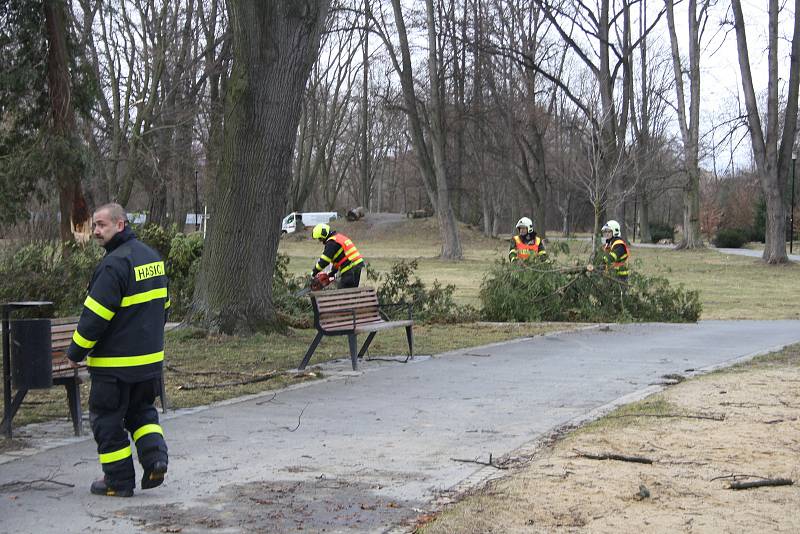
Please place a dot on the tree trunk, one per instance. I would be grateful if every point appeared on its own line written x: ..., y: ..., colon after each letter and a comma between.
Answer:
x: 689, y: 130
x: 451, y: 244
x: 772, y: 161
x: 274, y: 46
x: 365, y: 153
x: 66, y: 147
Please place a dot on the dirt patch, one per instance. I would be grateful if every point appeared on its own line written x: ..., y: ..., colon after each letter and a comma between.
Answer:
x: 320, y: 505
x: 685, y: 489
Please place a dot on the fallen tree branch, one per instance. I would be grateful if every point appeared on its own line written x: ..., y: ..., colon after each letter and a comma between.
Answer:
x: 490, y: 463
x: 735, y: 476
x: 253, y: 380
x: 613, y: 456
x: 712, y: 417
x: 759, y: 483
x: 29, y: 483
x: 202, y: 373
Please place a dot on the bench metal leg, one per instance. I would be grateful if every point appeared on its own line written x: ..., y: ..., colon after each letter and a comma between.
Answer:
x: 366, y: 344
x: 310, y: 351
x: 352, y: 340
x: 73, y: 388
x: 410, y: 337
x: 11, y: 411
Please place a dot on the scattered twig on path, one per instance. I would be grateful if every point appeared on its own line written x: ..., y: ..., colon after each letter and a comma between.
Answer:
x: 391, y: 360
x: 30, y: 483
x: 202, y: 373
x: 761, y: 483
x: 712, y: 417
x: 613, y: 456
x: 252, y: 380
x: 298, y: 420
x: 735, y: 476
x: 773, y: 421
x: 490, y: 463
x: 272, y: 398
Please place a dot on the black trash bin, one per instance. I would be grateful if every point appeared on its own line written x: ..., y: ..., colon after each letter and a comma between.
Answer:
x: 31, y: 355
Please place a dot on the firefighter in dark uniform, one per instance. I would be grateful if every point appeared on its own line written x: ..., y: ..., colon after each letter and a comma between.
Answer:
x: 121, y: 329
x: 526, y: 244
x: 340, y: 252
x: 615, y: 249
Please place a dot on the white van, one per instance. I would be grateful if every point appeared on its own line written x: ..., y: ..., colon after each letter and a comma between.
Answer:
x: 299, y: 221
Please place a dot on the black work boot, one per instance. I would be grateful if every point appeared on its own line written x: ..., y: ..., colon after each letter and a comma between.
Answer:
x: 102, y: 487
x: 155, y: 475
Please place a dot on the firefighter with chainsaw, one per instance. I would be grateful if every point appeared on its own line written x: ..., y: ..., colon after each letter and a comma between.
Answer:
x: 341, y: 254
x: 121, y: 335
x: 526, y: 244
x: 615, y: 251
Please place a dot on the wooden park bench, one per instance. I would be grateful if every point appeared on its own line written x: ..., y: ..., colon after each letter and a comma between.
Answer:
x: 71, y: 378
x: 349, y: 312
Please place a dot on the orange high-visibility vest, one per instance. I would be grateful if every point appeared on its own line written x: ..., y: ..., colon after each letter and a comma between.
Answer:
x: 350, y: 256
x: 621, y: 263
x: 524, y: 249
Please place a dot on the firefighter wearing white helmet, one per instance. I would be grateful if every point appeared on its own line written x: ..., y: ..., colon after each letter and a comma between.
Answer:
x: 341, y: 254
x: 616, y: 251
x: 526, y: 244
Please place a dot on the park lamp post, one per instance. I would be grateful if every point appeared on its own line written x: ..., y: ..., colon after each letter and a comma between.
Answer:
x: 791, y: 213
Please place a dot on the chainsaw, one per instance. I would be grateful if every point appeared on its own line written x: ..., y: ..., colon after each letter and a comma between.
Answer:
x: 318, y: 283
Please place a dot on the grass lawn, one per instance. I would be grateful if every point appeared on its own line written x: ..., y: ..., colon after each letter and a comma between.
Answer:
x: 731, y: 287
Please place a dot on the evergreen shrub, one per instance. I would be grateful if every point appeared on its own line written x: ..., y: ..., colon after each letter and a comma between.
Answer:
x: 731, y: 238
x: 542, y: 292
x: 659, y: 231
x: 43, y: 271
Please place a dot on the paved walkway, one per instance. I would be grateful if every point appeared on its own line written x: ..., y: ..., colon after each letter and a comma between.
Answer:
x: 365, y: 452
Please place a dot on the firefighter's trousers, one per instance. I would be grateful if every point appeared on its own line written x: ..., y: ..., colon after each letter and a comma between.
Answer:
x: 116, y: 410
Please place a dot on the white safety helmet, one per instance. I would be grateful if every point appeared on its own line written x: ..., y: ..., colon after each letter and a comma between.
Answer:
x: 613, y: 226
x: 525, y: 223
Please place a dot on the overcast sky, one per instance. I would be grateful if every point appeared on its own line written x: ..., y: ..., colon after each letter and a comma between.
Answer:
x: 720, y: 73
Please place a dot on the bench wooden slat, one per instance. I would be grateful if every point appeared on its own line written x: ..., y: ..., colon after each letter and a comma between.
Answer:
x: 323, y: 308
x: 345, y: 303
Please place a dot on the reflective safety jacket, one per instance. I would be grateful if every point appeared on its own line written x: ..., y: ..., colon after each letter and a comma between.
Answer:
x: 616, y: 256
x: 525, y: 246
x: 121, y: 327
x: 340, y: 253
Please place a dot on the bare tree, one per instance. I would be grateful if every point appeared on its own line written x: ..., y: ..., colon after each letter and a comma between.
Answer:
x: 274, y: 46
x: 772, y: 149
x: 428, y: 134
x: 689, y: 126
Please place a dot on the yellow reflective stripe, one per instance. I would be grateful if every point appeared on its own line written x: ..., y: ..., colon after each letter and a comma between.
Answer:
x: 326, y: 258
x: 108, y: 457
x: 125, y: 361
x: 167, y: 304
x: 338, y: 253
x: 351, y: 265
x: 98, y: 308
x: 82, y: 341
x: 147, y: 429
x: 147, y: 296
